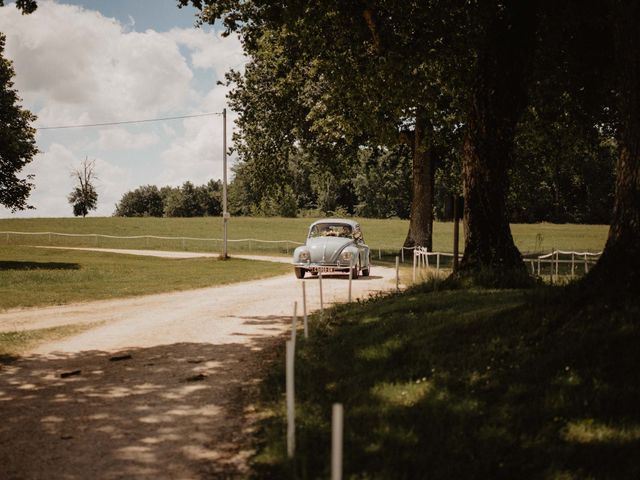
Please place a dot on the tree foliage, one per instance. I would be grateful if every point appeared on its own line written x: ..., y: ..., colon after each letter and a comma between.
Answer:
x: 84, y: 196
x: 17, y: 140
x: 188, y: 200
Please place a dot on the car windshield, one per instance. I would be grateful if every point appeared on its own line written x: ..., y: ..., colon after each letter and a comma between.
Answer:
x: 331, y: 230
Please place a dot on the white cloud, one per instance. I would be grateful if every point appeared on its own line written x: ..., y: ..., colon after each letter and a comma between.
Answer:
x: 121, y: 139
x: 75, y: 66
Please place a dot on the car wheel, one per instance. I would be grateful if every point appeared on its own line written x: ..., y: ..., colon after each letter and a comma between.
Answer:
x: 299, y: 272
x: 354, y: 272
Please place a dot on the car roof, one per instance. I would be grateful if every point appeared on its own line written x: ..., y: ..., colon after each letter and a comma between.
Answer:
x: 347, y: 221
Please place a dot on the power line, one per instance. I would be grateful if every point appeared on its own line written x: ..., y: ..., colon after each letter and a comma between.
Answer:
x: 124, y: 122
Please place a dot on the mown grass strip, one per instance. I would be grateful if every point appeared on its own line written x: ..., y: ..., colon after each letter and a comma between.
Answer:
x: 15, y: 343
x: 34, y: 277
x: 462, y: 384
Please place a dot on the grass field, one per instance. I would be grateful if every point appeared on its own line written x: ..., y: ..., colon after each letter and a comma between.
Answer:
x: 386, y: 235
x: 31, y: 276
x: 473, y: 384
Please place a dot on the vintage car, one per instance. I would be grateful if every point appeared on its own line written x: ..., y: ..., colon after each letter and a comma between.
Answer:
x: 333, y: 245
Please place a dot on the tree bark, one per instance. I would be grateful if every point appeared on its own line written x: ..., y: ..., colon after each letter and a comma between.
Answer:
x: 498, y: 98
x: 422, y: 186
x: 618, y: 270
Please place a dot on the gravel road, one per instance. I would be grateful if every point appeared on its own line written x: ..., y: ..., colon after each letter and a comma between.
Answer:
x: 160, y: 388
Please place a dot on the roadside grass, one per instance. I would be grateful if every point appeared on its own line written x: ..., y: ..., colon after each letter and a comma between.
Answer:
x: 15, y: 343
x: 386, y: 235
x: 33, y: 277
x: 473, y: 384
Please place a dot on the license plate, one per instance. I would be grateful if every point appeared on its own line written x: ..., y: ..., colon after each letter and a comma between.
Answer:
x: 324, y: 269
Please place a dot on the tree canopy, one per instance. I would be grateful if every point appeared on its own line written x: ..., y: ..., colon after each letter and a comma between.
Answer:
x: 514, y: 90
x: 17, y: 140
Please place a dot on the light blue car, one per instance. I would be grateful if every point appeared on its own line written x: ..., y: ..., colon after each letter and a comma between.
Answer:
x: 333, y: 245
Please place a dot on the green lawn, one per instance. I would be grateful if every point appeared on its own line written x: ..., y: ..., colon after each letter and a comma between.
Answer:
x: 387, y: 235
x: 32, y: 276
x: 462, y: 384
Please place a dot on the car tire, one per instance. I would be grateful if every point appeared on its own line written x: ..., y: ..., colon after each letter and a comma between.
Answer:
x: 354, y: 272
x: 299, y: 272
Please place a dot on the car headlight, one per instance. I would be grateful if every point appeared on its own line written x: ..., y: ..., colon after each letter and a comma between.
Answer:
x: 346, y: 256
x: 304, y: 256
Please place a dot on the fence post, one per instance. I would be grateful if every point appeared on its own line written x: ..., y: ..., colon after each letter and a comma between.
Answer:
x: 414, y: 265
x: 337, y: 427
x: 304, y: 309
x: 379, y: 254
x: 397, y: 273
x: 402, y: 254
x: 538, y: 266
x: 294, y: 323
x: 438, y: 263
x: 573, y: 264
x: 586, y: 264
x: 321, y: 301
x: 291, y: 418
x: 557, y: 265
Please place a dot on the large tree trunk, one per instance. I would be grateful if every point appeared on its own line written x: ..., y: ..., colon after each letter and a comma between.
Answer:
x: 618, y: 270
x: 498, y: 97
x: 422, y: 186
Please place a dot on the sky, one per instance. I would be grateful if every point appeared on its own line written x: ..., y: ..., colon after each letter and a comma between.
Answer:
x: 95, y: 61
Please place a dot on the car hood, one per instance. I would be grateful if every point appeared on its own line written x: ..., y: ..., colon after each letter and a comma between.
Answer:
x: 327, y: 249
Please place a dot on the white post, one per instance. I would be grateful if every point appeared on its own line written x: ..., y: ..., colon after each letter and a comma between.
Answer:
x: 586, y: 264
x: 397, y: 273
x: 538, y: 266
x: 291, y: 418
x: 414, y: 265
x: 379, y: 254
x: 350, y: 281
x: 402, y: 254
x: 321, y: 300
x: 557, y: 264
x: 304, y: 310
x: 438, y: 263
x: 337, y: 426
x: 573, y: 264
x: 426, y: 257
x: 294, y: 323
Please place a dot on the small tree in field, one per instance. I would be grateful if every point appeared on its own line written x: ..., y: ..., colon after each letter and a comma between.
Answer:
x: 84, y: 196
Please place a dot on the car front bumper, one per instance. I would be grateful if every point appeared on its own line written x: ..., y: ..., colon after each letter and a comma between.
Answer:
x: 323, y: 267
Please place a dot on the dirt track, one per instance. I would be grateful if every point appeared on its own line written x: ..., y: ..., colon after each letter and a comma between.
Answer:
x: 179, y: 407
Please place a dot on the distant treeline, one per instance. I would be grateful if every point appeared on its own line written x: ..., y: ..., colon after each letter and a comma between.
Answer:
x: 185, y: 201
x: 377, y: 184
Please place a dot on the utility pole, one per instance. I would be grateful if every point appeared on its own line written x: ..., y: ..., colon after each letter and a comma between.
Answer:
x: 225, y: 214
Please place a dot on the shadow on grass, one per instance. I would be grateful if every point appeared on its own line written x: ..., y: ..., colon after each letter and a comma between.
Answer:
x: 171, y: 411
x: 17, y: 265
x: 464, y: 384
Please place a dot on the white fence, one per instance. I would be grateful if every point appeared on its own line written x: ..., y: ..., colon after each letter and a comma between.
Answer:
x: 551, y: 264
x: 96, y: 239
x: 570, y: 261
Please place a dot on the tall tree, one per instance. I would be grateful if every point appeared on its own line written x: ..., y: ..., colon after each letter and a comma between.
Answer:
x: 17, y: 140
x: 618, y: 270
x: 498, y: 98
x: 84, y: 197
